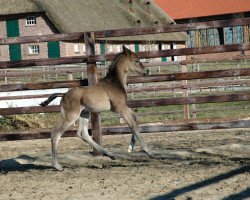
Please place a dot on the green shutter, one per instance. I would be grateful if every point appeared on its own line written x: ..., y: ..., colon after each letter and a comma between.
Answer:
x: 12, y: 27
x: 102, y: 48
x: 53, y: 49
x: 137, y: 48
x: 164, y: 59
x: 15, y: 52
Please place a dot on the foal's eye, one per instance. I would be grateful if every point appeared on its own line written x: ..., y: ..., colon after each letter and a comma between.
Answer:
x: 136, y: 61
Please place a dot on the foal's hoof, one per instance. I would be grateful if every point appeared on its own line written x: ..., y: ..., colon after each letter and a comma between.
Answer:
x: 58, y: 168
x: 150, y: 153
x: 130, y: 149
x: 111, y: 156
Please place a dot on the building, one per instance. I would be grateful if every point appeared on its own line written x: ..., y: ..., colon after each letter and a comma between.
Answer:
x: 39, y: 17
x: 190, y: 11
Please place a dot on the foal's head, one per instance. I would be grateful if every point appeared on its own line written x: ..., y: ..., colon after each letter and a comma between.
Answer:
x: 132, y: 62
x: 126, y: 62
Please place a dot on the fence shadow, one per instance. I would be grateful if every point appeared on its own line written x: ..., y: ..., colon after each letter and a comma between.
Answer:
x: 244, y: 194
x: 175, y: 193
x: 12, y: 165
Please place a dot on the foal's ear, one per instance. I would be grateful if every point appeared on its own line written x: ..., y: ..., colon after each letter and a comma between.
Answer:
x: 125, y: 50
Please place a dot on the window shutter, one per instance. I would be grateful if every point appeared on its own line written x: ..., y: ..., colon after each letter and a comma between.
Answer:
x: 54, y: 49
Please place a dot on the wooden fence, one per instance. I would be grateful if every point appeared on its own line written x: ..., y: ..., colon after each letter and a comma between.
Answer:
x: 91, y: 58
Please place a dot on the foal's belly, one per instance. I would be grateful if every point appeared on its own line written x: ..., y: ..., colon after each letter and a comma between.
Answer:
x: 96, y: 100
x: 98, y: 106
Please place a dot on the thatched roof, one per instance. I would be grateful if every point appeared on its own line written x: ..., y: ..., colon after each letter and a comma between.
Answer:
x: 8, y: 7
x: 93, y: 15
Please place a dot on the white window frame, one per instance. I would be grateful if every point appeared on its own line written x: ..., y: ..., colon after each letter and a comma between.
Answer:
x: 34, y: 49
x: 31, y: 21
x: 76, y: 48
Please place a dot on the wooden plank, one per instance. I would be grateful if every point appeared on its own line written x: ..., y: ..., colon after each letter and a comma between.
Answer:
x: 199, y: 85
x: 187, y: 125
x: 190, y: 100
x: 24, y: 97
x: 92, y: 80
x: 126, y: 32
x: 191, y: 75
x: 185, y: 93
x: 43, y: 62
x: 135, y: 79
x: 142, y: 103
x: 43, y: 85
x: 102, y: 68
x: 110, y: 57
x: 205, y: 85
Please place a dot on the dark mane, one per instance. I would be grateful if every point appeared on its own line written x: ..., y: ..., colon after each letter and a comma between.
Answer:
x: 112, y: 66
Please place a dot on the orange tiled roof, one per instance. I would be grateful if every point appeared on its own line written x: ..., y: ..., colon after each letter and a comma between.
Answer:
x: 184, y: 9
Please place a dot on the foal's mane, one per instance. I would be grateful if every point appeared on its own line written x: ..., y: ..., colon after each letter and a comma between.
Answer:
x: 112, y: 66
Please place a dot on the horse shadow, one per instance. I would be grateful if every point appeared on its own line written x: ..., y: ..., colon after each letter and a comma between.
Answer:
x: 240, y: 196
x: 14, y: 165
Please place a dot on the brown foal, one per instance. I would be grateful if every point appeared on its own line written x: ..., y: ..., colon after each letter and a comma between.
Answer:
x: 108, y: 94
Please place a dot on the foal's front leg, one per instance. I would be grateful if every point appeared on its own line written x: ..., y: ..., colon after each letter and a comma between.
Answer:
x: 130, y: 118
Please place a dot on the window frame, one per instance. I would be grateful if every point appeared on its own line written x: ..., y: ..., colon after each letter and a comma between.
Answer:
x: 31, y: 21
x: 34, y: 49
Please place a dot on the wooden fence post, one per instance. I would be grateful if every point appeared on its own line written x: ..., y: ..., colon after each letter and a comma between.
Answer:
x: 70, y: 76
x: 92, y: 80
x: 185, y: 93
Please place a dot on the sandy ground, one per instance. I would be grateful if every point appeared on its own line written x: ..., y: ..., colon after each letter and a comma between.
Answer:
x: 188, y: 165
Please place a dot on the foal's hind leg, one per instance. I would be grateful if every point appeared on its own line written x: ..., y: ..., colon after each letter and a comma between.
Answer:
x: 83, y: 134
x: 132, y: 143
x: 130, y: 118
x: 56, y: 135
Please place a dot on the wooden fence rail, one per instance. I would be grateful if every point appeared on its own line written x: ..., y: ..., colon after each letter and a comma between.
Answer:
x: 190, y: 86
x: 110, y: 57
x: 141, y: 103
x: 201, y: 124
x: 67, y: 69
x: 135, y: 79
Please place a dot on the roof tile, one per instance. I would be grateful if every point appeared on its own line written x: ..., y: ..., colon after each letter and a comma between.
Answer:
x: 184, y: 9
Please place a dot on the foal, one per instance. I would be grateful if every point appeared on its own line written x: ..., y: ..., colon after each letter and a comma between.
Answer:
x: 108, y: 94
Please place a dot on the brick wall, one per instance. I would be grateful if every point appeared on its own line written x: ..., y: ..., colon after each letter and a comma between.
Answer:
x: 4, y: 50
x: 43, y: 27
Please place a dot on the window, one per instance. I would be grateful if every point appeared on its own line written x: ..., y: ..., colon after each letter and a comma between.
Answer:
x: 203, y: 37
x: 238, y: 34
x: 211, y: 37
x: 31, y: 21
x: 111, y: 49
x: 76, y: 48
x: 34, y: 49
x: 228, y: 34
x: 191, y: 41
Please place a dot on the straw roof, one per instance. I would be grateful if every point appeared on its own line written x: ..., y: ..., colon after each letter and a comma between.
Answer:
x: 92, y: 15
x: 17, y: 6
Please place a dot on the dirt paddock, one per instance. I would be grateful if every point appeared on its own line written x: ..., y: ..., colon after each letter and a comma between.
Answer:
x: 188, y: 165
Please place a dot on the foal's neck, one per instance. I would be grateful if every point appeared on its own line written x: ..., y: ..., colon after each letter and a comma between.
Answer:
x: 117, y: 78
x: 117, y: 74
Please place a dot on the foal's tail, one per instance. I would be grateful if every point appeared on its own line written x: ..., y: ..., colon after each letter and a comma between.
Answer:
x: 51, y: 98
